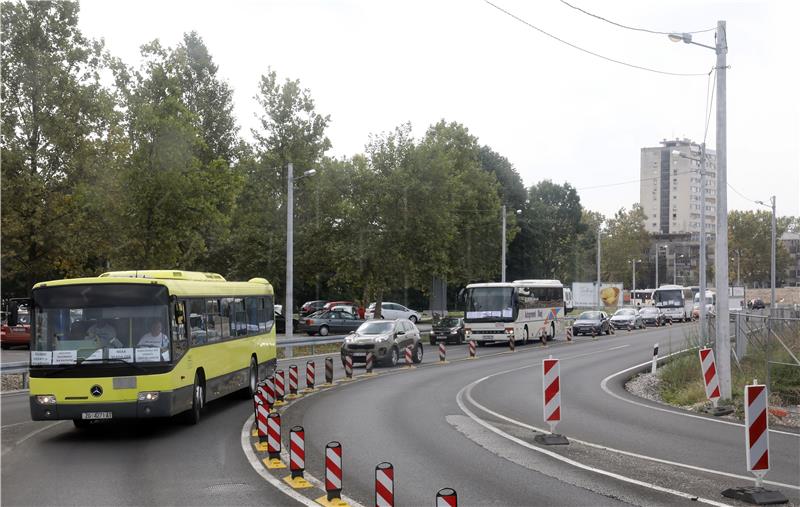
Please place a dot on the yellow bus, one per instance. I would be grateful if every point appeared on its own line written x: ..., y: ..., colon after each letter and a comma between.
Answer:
x: 140, y: 344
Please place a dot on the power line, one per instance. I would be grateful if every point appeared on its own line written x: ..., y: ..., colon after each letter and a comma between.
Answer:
x: 629, y: 182
x: 709, y: 101
x: 629, y: 27
x: 742, y: 195
x: 620, y: 62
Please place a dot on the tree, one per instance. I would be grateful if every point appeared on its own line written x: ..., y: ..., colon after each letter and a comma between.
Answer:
x: 59, y: 135
x: 750, y: 234
x: 625, y: 239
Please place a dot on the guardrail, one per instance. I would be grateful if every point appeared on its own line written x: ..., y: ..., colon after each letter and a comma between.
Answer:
x: 312, y: 341
x: 16, y: 367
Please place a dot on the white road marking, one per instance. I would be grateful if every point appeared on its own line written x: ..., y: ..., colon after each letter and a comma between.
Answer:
x: 604, y: 387
x: 572, y: 462
x: 31, y: 434
x: 468, y: 390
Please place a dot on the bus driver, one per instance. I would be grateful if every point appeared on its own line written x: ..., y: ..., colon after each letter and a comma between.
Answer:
x: 155, y: 338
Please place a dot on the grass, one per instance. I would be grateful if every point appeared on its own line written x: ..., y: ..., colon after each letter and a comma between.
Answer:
x: 682, y: 381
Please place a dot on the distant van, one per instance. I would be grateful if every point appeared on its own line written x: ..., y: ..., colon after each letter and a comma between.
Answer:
x: 569, y: 303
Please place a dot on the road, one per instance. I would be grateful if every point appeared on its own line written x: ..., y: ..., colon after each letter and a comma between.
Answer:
x: 431, y: 422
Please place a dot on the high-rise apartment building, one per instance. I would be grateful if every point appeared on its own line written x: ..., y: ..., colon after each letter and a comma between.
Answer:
x: 669, y: 192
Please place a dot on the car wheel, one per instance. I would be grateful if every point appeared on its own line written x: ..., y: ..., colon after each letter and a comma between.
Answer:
x: 413, y: 319
x: 417, y: 356
x: 193, y: 415
x: 323, y: 330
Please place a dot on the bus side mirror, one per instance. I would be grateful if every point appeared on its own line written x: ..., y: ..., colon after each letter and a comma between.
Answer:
x: 179, y: 315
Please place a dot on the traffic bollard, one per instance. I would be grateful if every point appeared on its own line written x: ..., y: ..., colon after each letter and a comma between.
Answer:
x: 280, y: 391
x: 384, y: 485
x: 348, y: 366
x: 446, y: 497
x: 408, y: 356
x: 442, y: 353
x: 472, y: 350
x: 274, y: 441
x: 655, y: 359
x: 297, y: 459
x: 369, y: 362
x: 261, y: 418
x: 512, y: 345
x: 310, y: 372
x: 293, y: 377
x: 333, y: 470
x: 569, y: 333
x: 329, y: 370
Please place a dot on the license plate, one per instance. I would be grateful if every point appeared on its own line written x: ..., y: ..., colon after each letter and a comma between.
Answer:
x: 19, y: 329
x: 96, y: 415
x: 488, y: 337
x: 359, y: 354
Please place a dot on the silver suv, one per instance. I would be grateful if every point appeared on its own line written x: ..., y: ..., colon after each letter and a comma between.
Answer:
x: 386, y: 339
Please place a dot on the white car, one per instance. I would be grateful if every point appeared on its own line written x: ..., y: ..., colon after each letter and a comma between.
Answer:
x: 392, y: 311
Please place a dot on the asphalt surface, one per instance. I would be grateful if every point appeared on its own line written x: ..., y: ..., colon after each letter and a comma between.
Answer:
x: 431, y: 422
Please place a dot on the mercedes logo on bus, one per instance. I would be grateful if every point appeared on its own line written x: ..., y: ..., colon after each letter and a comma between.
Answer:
x: 96, y: 390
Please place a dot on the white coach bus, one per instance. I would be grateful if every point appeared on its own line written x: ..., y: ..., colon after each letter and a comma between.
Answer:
x: 675, y: 301
x: 523, y: 309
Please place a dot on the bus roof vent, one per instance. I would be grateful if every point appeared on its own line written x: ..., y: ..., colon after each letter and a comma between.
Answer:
x: 163, y: 274
x: 262, y: 281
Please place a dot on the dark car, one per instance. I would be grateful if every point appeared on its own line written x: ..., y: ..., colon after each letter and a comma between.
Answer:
x: 448, y: 330
x: 757, y: 304
x: 310, y: 307
x: 280, y: 323
x: 591, y: 322
x: 652, y: 316
x: 324, y: 322
x: 386, y: 339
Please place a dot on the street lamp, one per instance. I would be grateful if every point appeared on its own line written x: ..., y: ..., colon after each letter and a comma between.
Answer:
x: 675, y: 258
x: 290, y: 179
x: 703, y: 283
x: 633, y: 262
x: 723, y: 346
x: 772, y: 304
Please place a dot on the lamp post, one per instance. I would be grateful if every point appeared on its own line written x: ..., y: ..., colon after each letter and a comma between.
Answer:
x: 723, y: 345
x: 702, y: 267
x: 772, y: 303
x: 290, y: 179
x: 675, y: 257
x: 738, y: 266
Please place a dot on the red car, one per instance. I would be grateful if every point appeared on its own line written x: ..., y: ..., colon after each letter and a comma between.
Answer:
x: 357, y: 310
x: 20, y: 334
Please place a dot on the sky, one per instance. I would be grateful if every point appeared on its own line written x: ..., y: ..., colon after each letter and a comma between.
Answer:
x: 555, y: 112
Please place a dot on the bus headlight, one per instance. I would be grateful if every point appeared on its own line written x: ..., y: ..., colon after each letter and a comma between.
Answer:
x: 148, y: 396
x: 46, y: 399
x: 467, y: 331
x: 509, y: 331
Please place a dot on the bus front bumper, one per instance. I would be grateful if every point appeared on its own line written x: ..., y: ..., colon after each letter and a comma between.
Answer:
x: 168, y: 403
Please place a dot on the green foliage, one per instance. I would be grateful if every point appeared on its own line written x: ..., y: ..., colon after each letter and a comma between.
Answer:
x: 625, y: 239
x: 749, y: 233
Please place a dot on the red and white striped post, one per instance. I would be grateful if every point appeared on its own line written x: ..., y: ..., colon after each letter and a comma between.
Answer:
x: 569, y: 332
x: 408, y: 356
x: 472, y: 349
x: 442, y: 353
x: 333, y: 470
x: 266, y: 395
x: 710, y: 377
x: 446, y: 497
x: 262, y: 413
x: 348, y: 366
x: 384, y: 485
x: 297, y: 451
x: 280, y: 391
x: 551, y: 392
x: 756, y: 431
x: 512, y: 345
x: 293, y: 380
x: 370, y: 361
x: 329, y: 370
x: 274, y: 435
x: 310, y: 372
x: 269, y: 391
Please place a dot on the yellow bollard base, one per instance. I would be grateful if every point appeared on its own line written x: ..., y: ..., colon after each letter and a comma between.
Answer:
x: 279, y: 404
x: 347, y: 379
x: 370, y: 374
x: 260, y: 446
x: 409, y: 367
x: 273, y: 463
x: 297, y: 482
x: 292, y: 396
x: 443, y: 362
x: 336, y: 502
x: 308, y: 390
x: 254, y: 433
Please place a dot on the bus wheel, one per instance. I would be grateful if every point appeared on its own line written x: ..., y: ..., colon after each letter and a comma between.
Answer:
x: 525, y: 336
x: 552, y: 330
x: 193, y: 415
x: 252, y: 384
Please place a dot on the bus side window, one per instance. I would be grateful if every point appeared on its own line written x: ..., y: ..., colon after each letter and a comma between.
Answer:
x: 179, y: 330
x: 196, y: 309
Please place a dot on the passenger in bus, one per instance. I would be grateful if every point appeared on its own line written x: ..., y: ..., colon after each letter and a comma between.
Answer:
x: 155, y: 338
x: 104, y: 333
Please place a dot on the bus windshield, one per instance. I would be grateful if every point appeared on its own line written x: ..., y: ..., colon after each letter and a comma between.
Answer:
x: 490, y: 303
x: 668, y: 298
x: 100, y: 324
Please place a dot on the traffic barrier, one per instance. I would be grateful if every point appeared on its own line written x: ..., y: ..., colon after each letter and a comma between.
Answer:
x: 384, y: 485
x: 569, y: 333
x: 269, y: 391
x: 655, y: 359
x: 280, y: 391
x: 297, y: 458
x: 310, y: 372
x: 333, y: 470
x: 472, y: 350
x: 329, y: 370
x: 612, y: 330
x: 266, y: 395
x: 348, y: 366
x: 370, y: 361
x: 261, y: 418
x: 408, y: 356
x: 512, y: 345
x: 756, y: 436
x: 442, y: 353
x: 551, y: 401
x: 669, y: 320
x: 293, y: 376
x: 446, y: 497
x: 710, y: 378
x: 273, y: 461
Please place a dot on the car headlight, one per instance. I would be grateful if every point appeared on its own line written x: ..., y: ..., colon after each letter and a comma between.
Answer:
x: 46, y: 399
x: 382, y: 338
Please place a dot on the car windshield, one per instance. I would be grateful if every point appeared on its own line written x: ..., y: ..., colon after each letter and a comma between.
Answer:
x: 589, y: 316
x: 625, y: 312
x: 375, y: 328
x: 95, y: 324
x: 490, y: 303
x: 449, y: 322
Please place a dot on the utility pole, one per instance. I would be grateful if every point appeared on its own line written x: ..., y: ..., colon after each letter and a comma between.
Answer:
x: 287, y: 311
x: 658, y: 247
x: 503, y: 248
x: 702, y: 277
x: 723, y: 342
x: 598, y: 267
x: 773, y: 304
